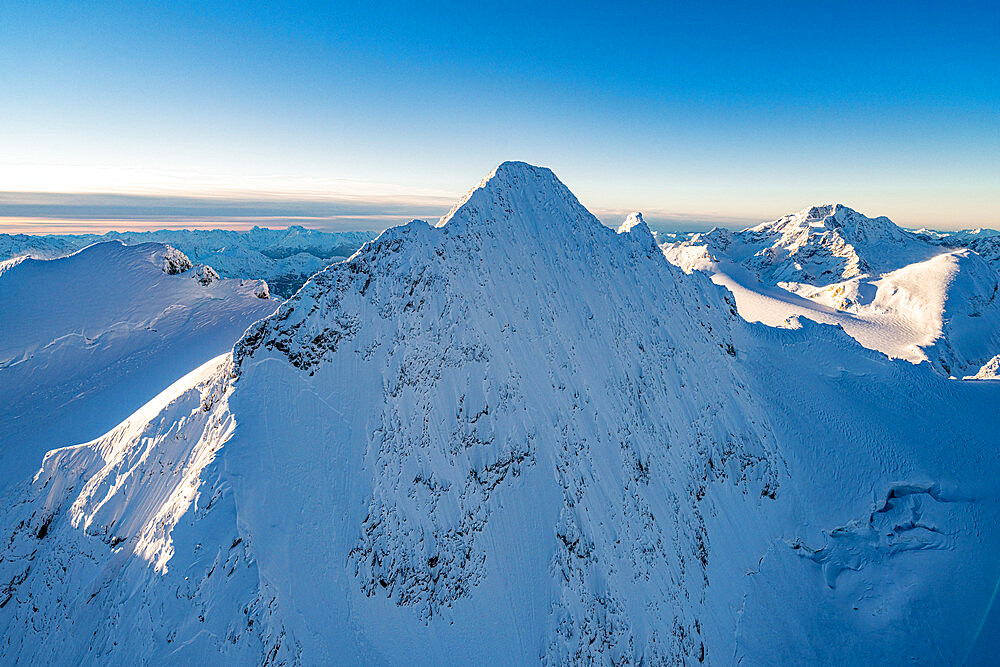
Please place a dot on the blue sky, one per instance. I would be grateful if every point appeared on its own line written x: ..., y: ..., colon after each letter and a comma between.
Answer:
x: 356, y: 114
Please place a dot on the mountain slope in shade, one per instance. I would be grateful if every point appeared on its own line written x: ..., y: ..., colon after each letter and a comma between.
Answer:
x: 892, y: 290
x: 519, y: 437
x: 88, y: 338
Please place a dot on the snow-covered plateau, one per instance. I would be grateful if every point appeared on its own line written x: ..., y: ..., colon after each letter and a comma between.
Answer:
x: 519, y: 437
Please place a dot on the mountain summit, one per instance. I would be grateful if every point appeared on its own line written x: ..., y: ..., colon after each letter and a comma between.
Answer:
x: 522, y: 199
x: 516, y: 437
x: 831, y: 242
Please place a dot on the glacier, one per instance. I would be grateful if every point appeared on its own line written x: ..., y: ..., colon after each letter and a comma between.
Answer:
x: 519, y: 436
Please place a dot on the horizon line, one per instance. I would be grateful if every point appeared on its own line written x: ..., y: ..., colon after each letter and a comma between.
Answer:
x: 39, y: 213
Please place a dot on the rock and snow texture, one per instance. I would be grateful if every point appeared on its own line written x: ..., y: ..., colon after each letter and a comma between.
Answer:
x: 989, y: 371
x: 895, y: 291
x: 102, y: 550
x: 631, y: 220
x: 87, y: 339
x: 519, y: 437
x: 285, y: 258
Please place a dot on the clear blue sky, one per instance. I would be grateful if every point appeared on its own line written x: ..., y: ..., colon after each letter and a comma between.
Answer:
x: 697, y: 111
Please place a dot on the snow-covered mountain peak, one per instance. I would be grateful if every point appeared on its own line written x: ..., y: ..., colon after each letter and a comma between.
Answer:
x: 907, y: 294
x: 822, y: 212
x: 505, y: 378
x: 851, y: 225
x: 989, y: 371
x: 519, y: 196
x: 818, y: 245
x: 633, y: 219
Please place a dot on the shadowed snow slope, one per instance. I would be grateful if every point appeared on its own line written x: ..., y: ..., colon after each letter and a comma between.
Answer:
x: 901, y: 293
x: 88, y: 338
x: 519, y: 437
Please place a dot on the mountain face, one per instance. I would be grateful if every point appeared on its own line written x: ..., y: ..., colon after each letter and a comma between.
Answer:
x: 989, y: 371
x: 818, y: 246
x: 903, y: 293
x: 85, y: 340
x: 518, y: 437
x: 285, y: 258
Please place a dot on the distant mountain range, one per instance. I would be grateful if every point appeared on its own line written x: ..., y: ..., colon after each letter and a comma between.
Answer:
x: 912, y: 295
x: 285, y: 258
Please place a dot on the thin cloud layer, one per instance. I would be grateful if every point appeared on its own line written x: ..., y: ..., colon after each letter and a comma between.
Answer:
x: 71, y: 212
x: 47, y: 212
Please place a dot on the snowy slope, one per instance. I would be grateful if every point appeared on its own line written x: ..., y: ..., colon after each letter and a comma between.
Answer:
x: 285, y: 258
x: 116, y: 511
x: 519, y: 437
x: 892, y: 290
x: 88, y: 338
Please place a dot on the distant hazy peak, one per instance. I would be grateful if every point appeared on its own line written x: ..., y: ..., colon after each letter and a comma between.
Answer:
x: 824, y: 217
